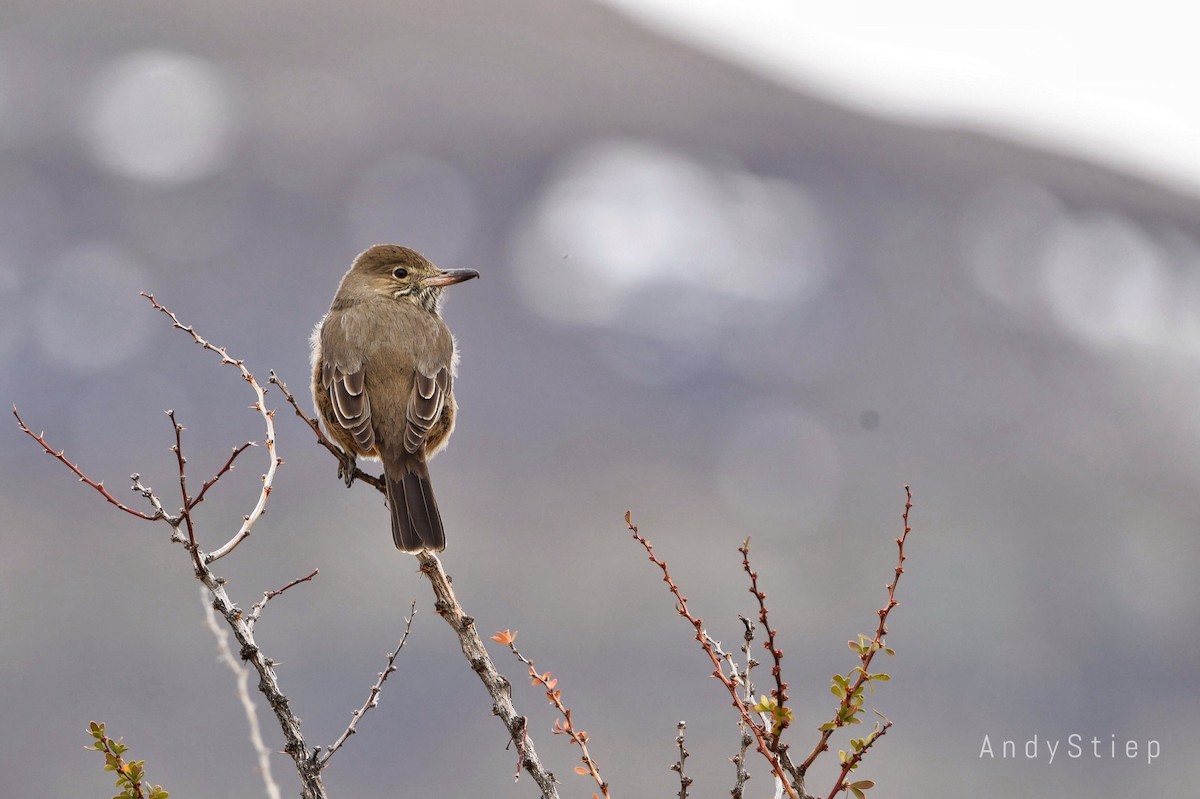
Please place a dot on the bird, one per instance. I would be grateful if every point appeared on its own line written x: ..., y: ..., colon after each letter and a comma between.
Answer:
x: 383, y: 368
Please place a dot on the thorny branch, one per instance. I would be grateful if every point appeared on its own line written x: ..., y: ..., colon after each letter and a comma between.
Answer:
x: 739, y: 760
x: 867, y: 652
x: 242, y: 673
x: 850, y: 762
x: 780, y: 689
x: 566, y: 725
x: 684, y: 781
x: 373, y: 696
x: 257, y: 610
x: 359, y: 474
x: 268, y: 417
x: 759, y: 732
x: 83, y: 478
x: 496, y: 684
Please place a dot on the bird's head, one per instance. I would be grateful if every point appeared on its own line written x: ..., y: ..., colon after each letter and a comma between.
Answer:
x: 406, y: 275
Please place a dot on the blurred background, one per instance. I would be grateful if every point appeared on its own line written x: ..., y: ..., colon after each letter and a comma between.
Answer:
x: 741, y: 274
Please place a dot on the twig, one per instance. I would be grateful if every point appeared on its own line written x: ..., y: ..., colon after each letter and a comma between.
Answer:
x: 866, y: 650
x: 565, y: 725
x: 186, y: 513
x: 257, y: 610
x: 359, y: 474
x: 497, y: 686
x: 227, y: 467
x: 242, y: 673
x: 259, y: 405
x: 851, y: 762
x: 780, y: 689
x: 681, y: 607
x: 684, y: 781
x: 376, y: 689
x: 83, y: 478
x: 739, y: 760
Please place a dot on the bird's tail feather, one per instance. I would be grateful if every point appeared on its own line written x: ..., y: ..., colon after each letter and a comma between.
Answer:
x: 416, y: 522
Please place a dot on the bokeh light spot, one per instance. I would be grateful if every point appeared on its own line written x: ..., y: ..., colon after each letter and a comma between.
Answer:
x: 159, y: 117
x: 1105, y: 282
x: 679, y: 252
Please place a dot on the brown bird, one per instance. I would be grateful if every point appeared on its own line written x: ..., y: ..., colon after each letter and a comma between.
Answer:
x: 383, y: 372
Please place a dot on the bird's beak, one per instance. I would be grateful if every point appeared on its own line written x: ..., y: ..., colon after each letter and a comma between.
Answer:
x: 448, y: 277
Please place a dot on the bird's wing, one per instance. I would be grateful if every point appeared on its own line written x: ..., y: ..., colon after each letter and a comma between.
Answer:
x: 351, y: 405
x: 425, y: 405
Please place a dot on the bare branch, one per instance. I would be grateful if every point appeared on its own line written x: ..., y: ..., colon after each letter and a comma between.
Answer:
x: 565, y: 725
x: 242, y: 673
x: 684, y: 781
x: 780, y: 689
x: 257, y: 610
x: 759, y: 731
x: 83, y: 478
x: 359, y: 474
x: 259, y: 405
x: 496, y: 684
x: 185, y: 513
x: 739, y: 760
x: 227, y: 467
x: 373, y: 697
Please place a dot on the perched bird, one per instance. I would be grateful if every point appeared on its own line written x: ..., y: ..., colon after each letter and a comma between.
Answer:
x: 383, y: 372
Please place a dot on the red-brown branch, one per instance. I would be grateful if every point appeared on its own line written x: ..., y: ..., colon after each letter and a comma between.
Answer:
x: 83, y: 478
x: 780, y: 689
x: 359, y: 474
x: 681, y: 607
x: 852, y: 761
x: 867, y: 654
x: 565, y: 725
x: 196, y: 500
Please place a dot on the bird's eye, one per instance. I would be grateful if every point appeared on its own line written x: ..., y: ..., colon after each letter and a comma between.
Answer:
x: 400, y: 273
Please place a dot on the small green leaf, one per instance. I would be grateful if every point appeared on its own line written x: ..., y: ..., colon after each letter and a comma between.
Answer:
x: 857, y: 793
x: 881, y: 676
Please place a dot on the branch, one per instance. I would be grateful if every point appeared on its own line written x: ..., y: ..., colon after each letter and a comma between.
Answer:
x: 259, y: 405
x: 849, y: 763
x: 376, y: 689
x: 681, y: 607
x: 83, y: 478
x: 564, y: 726
x: 186, y: 513
x: 359, y: 474
x: 780, y: 689
x: 227, y: 467
x: 739, y: 760
x: 851, y: 693
x: 257, y: 610
x: 684, y: 782
x: 497, y: 686
x: 225, y: 655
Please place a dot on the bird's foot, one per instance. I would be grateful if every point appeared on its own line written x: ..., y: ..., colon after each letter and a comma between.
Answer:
x: 346, y: 468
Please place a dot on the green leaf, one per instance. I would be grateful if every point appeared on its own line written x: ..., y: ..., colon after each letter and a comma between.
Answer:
x: 857, y: 793
x: 862, y: 785
x: 881, y: 676
x: 837, y: 691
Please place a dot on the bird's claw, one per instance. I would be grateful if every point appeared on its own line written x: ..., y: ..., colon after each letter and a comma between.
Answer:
x: 347, y: 465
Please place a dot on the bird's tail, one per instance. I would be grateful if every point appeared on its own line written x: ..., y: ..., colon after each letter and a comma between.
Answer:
x: 416, y: 522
